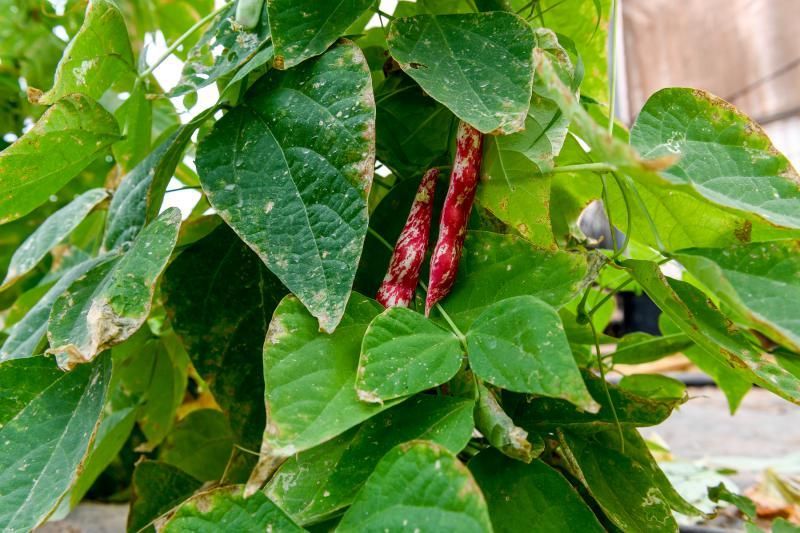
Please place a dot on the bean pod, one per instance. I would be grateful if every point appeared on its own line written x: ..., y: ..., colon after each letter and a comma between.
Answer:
x: 397, y: 288
x: 455, y: 214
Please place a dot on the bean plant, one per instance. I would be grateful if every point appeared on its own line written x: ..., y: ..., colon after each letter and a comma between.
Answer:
x: 381, y: 312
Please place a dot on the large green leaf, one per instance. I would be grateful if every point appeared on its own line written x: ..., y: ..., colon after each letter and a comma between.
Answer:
x: 45, y: 444
x: 223, y: 48
x: 533, y: 497
x: 403, y: 353
x: 63, y: 142
x: 701, y: 321
x: 113, y: 300
x: 323, y: 480
x: 157, y: 487
x: 97, y: 58
x: 724, y: 155
x: 418, y: 485
x: 225, y: 509
x: 305, y: 28
x: 479, y: 65
x: 220, y: 298
x: 626, y: 492
x: 25, y: 337
x: 519, y: 344
x: 495, y: 267
x: 289, y: 170
x: 758, y: 281
x: 51, y: 232
x: 305, y: 407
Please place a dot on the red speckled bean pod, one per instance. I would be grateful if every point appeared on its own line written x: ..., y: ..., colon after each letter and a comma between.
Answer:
x: 455, y: 214
x: 397, y: 288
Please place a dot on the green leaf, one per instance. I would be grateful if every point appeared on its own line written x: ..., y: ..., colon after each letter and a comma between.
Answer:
x: 624, y: 490
x: 141, y: 192
x: 200, y: 445
x: 758, y: 281
x: 724, y: 156
x: 655, y: 386
x: 113, y: 431
x: 63, y: 142
x: 112, y: 301
x: 404, y: 353
x: 51, y: 232
x: 289, y: 170
x: 743, y: 503
x: 157, y: 487
x: 703, y: 323
x: 519, y: 344
x: 23, y: 380
x: 305, y: 28
x: 538, y: 413
x: 225, y: 509
x: 223, y: 48
x: 418, y: 485
x: 586, y: 24
x: 323, y: 480
x: 512, y: 185
x: 135, y: 115
x: 157, y: 377
x: 45, y: 444
x: 637, y: 348
x: 494, y: 267
x: 500, y: 430
x: 97, y: 58
x: 307, y: 408
x: 25, y: 337
x: 220, y: 298
x: 413, y: 129
x: 530, y: 497
x: 730, y: 381
x: 479, y: 65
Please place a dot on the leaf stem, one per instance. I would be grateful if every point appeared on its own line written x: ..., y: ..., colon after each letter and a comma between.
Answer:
x: 182, y: 38
x: 628, y: 224
x: 594, y: 167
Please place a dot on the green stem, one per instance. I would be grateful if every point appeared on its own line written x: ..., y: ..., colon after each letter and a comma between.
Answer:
x: 200, y: 23
x: 628, y: 224
x: 602, y: 370
x: 643, y: 208
x: 612, y: 96
x: 380, y: 238
x: 594, y: 167
x: 607, y: 208
x: 608, y: 296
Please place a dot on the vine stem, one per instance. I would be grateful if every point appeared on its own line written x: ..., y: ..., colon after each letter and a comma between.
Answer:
x: 594, y: 167
x: 168, y: 52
